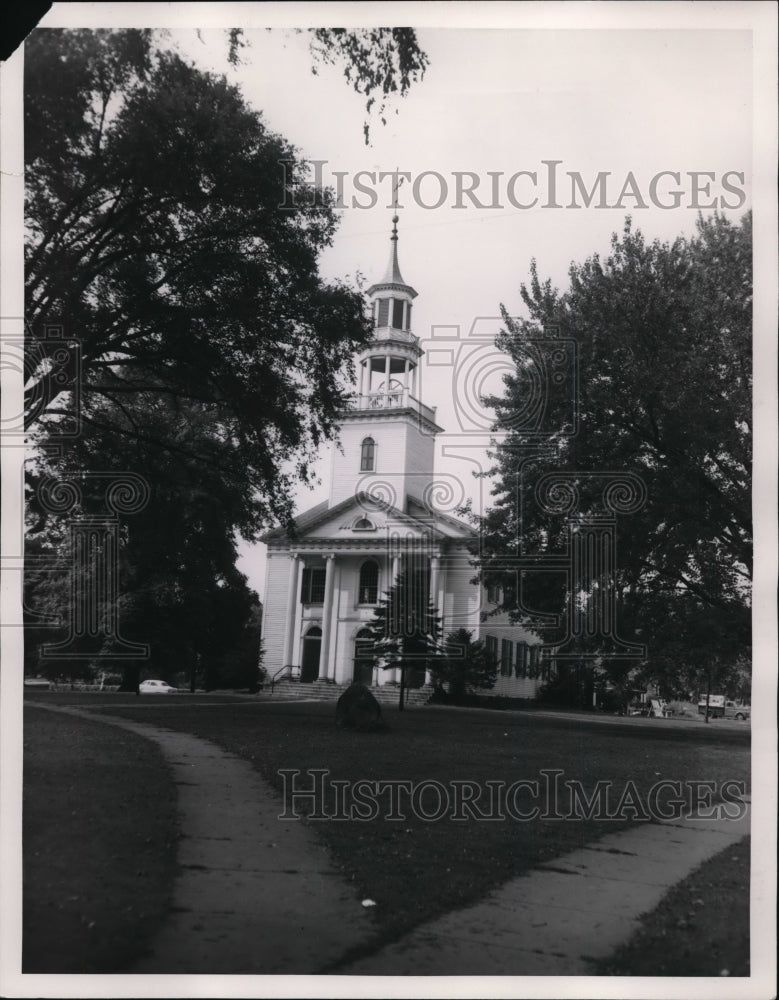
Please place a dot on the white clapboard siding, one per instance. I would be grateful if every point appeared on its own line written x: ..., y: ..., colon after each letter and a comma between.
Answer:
x: 274, y: 613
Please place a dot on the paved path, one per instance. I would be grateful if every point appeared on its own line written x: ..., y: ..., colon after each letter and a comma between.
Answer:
x: 561, y: 917
x: 257, y: 895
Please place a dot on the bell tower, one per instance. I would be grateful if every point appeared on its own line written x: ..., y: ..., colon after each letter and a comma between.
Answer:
x: 387, y: 432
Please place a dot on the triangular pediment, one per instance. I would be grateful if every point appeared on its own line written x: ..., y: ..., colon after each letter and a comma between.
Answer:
x: 362, y: 518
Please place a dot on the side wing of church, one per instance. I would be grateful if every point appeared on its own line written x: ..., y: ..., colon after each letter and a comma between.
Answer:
x: 324, y: 582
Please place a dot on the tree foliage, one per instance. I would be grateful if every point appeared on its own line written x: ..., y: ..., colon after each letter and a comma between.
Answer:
x: 406, y: 629
x: 174, y: 582
x: 377, y: 62
x: 464, y: 665
x: 663, y: 334
x: 155, y: 240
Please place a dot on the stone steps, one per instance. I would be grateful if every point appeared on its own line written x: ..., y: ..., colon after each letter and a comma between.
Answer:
x: 321, y: 690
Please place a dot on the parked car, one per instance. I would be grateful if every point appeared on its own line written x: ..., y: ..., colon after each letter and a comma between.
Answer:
x: 721, y: 707
x: 37, y: 682
x: 156, y: 687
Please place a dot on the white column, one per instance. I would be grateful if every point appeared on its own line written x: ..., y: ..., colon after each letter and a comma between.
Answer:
x: 334, y: 630
x: 290, y: 619
x: 441, y: 595
x: 298, y: 618
x: 397, y: 569
x: 406, y: 382
x: 327, y: 613
x: 387, y: 377
x: 435, y: 563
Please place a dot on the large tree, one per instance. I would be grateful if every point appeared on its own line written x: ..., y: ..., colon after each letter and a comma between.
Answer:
x: 155, y: 241
x: 659, y: 388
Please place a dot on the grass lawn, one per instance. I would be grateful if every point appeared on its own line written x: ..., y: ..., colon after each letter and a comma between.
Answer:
x: 99, y: 829
x: 416, y: 870
x: 701, y: 928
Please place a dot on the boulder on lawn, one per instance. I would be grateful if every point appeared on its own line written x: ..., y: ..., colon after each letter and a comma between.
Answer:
x: 358, y: 709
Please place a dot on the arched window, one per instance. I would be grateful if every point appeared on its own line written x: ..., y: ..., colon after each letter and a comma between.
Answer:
x: 367, y: 455
x: 368, y: 588
x: 363, y: 524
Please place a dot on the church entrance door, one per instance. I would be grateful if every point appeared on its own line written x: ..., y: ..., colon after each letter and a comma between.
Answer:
x: 312, y: 650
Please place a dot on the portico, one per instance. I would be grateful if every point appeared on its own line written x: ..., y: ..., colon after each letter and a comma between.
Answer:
x: 332, y: 592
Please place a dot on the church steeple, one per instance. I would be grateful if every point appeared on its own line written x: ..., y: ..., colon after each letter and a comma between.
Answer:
x: 387, y: 431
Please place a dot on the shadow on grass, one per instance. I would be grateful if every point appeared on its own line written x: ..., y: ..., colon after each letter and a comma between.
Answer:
x: 99, y: 832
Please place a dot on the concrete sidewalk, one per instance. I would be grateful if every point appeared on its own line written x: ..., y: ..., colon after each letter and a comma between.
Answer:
x: 564, y: 915
x: 258, y: 895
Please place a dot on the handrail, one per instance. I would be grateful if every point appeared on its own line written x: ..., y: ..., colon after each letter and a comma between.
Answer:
x: 287, y: 667
x: 394, y: 398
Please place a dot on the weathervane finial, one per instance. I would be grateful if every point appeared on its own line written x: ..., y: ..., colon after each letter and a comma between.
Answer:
x: 398, y: 180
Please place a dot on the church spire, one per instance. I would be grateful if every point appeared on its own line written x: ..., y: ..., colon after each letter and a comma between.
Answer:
x: 392, y: 277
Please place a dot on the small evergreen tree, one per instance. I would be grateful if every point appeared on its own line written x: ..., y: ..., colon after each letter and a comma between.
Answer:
x: 406, y: 628
x: 464, y: 665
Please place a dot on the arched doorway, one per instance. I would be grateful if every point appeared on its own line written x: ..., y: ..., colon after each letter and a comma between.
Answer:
x: 312, y: 649
x: 363, y: 658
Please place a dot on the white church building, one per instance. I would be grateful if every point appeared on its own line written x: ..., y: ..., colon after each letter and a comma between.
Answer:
x: 325, y: 578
